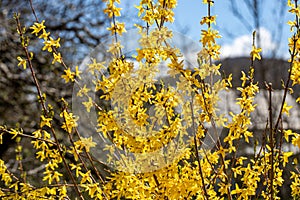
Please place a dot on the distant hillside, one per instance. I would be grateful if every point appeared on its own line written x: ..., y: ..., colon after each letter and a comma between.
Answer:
x: 269, y: 70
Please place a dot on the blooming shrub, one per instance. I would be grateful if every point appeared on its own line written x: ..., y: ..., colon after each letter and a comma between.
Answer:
x: 158, y: 155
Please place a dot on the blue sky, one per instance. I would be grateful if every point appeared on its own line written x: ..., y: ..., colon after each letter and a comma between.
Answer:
x: 235, y: 35
x: 236, y: 39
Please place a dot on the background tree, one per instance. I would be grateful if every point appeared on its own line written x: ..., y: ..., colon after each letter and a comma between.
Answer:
x: 253, y: 18
x: 81, y: 25
x: 252, y: 15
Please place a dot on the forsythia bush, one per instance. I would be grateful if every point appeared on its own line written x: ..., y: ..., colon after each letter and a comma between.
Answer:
x: 141, y: 144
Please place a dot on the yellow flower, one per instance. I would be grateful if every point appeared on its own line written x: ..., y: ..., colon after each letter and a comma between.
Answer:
x: 140, y: 8
x: 45, y: 121
x: 244, y: 78
x: 211, y: 2
x: 87, y: 143
x: 295, y: 75
x: 111, y: 10
x: 56, y: 58
x: 118, y: 28
x: 22, y: 62
x: 237, y: 190
x: 290, y: 4
x: 76, y: 167
x: 62, y: 192
x: 38, y: 27
x: 74, y: 152
x: 287, y: 133
x: 15, y: 185
x: 208, y: 20
x: 44, y: 35
x: 209, y: 36
x: 148, y: 17
x: 247, y: 134
x: 88, y: 104
x: 41, y: 155
x: 286, y: 109
x: 115, y: 48
x: 286, y: 156
x: 95, y: 66
x: 255, y: 53
x: 296, y: 141
x: 77, y: 73
x: 292, y: 24
x: 85, y: 177
x: 14, y: 132
x: 52, y: 175
x: 70, y: 121
x: 295, y: 11
x: 68, y: 76
x: 83, y: 91
x: 49, y: 44
x: 92, y: 189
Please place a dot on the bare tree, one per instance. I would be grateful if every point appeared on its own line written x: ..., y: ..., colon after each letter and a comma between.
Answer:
x: 80, y: 24
x: 255, y: 15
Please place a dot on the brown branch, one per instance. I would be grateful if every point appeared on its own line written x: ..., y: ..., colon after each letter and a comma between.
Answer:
x: 42, y: 102
x: 33, y: 11
x: 196, y: 150
x: 271, y: 172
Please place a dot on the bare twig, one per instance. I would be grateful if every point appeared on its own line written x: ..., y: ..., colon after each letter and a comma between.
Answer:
x: 197, y: 151
x: 271, y: 173
x: 42, y: 101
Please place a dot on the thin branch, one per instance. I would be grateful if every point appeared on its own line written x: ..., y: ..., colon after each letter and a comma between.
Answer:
x: 42, y: 101
x: 239, y: 15
x: 33, y: 11
x: 269, y: 88
x: 196, y: 150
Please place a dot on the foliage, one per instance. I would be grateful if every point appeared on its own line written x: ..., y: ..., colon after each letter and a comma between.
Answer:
x: 70, y: 168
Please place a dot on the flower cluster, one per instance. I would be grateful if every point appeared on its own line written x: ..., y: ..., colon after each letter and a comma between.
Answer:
x: 50, y: 44
x: 294, y: 77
